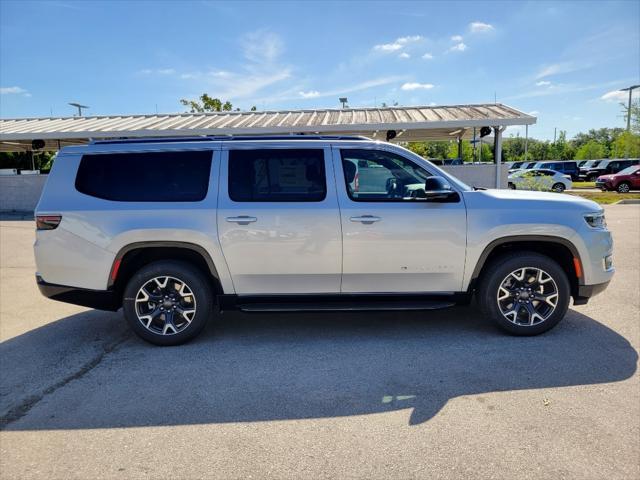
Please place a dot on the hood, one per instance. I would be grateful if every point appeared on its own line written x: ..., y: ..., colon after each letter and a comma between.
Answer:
x: 532, y: 199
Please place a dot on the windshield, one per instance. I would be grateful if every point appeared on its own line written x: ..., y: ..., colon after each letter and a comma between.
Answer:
x: 628, y: 170
x: 591, y: 164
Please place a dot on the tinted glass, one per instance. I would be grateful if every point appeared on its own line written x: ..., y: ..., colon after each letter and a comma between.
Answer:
x: 375, y: 175
x: 277, y: 175
x: 146, y: 177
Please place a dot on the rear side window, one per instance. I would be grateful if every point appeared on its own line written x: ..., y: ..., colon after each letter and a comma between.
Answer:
x: 277, y: 175
x: 146, y: 177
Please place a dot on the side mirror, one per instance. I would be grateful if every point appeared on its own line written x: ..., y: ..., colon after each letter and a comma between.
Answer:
x: 437, y: 189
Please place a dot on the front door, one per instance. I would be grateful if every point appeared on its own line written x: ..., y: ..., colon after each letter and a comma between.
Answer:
x: 278, y: 220
x: 393, y: 239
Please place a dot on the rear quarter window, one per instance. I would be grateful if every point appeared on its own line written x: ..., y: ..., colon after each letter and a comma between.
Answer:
x: 177, y: 176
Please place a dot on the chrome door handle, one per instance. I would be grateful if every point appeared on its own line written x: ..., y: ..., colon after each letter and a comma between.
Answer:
x: 366, y: 219
x: 242, y: 220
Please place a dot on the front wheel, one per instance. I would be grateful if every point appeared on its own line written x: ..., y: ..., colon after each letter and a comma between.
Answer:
x: 168, y: 302
x: 624, y: 187
x: 524, y: 293
x: 558, y: 187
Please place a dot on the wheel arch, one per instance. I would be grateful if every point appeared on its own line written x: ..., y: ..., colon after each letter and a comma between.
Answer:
x: 134, y: 256
x: 559, y: 249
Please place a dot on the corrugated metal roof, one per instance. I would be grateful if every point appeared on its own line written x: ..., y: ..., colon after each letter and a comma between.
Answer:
x: 412, y: 123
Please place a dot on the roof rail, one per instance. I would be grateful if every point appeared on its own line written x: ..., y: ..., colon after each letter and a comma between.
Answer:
x: 228, y: 138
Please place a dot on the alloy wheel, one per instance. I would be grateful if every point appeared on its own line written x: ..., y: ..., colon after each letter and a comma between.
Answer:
x: 527, y: 296
x: 165, y: 305
x: 623, y: 188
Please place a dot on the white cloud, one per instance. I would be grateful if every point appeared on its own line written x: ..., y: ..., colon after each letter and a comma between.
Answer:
x: 388, y: 47
x: 416, y: 86
x: 397, y: 44
x: 456, y: 38
x: 615, y: 96
x: 427, y: 56
x: 156, y: 71
x: 542, y: 83
x: 533, y: 112
x: 480, y: 27
x: 13, y: 91
x: 560, y: 68
x: 459, y: 47
x: 310, y: 94
x: 404, y: 55
x: 262, y: 46
x: 409, y: 39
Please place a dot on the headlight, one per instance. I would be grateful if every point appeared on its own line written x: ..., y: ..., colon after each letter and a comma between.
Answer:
x: 595, y: 220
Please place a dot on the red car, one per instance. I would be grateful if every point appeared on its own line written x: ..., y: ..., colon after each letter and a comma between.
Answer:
x: 623, y: 181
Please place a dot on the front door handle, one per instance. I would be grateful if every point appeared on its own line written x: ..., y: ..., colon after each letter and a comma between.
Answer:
x: 366, y: 219
x: 242, y: 220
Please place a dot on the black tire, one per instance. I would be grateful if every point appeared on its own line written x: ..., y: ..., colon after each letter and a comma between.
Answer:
x: 558, y: 187
x: 500, y: 269
x: 592, y: 178
x: 624, y: 187
x: 512, y: 186
x: 201, y: 296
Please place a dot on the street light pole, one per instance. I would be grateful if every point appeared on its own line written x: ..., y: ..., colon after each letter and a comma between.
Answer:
x: 630, y: 90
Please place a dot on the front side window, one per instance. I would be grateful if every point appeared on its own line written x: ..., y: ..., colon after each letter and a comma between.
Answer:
x: 376, y: 175
x: 277, y: 175
x: 178, y: 176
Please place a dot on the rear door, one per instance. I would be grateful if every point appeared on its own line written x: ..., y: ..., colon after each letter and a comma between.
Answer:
x: 393, y: 240
x: 278, y: 219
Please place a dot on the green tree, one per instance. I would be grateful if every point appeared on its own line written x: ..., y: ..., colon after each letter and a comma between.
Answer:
x: 207, y: 104
x: 627, y: 144
x: 590, y: 150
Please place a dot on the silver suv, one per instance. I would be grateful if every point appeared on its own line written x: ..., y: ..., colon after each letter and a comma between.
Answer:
x: 175, y: 231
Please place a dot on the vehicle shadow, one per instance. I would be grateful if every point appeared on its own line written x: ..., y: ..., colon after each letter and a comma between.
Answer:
x: 248, y: 368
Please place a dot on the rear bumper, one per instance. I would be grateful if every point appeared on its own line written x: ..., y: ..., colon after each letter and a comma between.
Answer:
x: 585, y: 292
x: 98, y: 299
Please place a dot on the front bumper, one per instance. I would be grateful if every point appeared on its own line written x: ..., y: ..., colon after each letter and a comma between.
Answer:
x: 98, y: 299
x: 585, y: 292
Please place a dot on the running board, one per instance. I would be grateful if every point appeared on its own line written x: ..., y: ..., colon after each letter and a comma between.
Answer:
x: 342, y: 306
x: 335, y: 303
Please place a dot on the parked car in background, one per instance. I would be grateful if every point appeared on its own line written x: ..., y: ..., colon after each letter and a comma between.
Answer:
x: 521, y: 166
x: 604, y: 167
x: 568, y: 167
x: 539, y: 179
x: 623, y: 181
x: 587, y: 165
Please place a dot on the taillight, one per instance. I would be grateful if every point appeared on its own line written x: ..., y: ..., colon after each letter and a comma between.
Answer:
x: 47, y: 222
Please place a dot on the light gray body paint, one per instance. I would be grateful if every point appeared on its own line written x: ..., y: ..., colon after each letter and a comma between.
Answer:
x: 306, y: 247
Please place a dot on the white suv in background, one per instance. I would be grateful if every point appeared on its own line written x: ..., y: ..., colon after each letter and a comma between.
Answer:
x: 175, y: 231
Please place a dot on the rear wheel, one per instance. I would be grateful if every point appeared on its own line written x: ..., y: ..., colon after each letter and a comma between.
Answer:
x: 624, y: 187
x: 524, y: 293
x: 558, y: 187
x: 168, y: 302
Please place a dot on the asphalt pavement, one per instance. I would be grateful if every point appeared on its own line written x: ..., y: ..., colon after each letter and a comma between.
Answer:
x: 361, y: 395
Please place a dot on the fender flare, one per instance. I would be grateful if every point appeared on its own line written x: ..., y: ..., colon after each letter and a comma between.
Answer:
x: 162, y: 244
x: 522, y: 238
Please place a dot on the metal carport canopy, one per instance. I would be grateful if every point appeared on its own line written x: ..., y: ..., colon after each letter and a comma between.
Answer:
x: 411, y: 123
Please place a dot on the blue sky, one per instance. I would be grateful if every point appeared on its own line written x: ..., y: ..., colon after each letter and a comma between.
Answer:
x: 561, y: 61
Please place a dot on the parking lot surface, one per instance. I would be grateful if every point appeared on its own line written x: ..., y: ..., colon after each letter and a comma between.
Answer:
x: 362, y: 395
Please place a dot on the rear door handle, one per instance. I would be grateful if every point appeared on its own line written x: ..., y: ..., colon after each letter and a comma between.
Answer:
x: 366, y: 219
x: 242, y: 220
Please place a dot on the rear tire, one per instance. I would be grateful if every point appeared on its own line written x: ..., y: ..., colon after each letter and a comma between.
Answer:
x: 624, y: 187
x: 523, y: 312
x: 558, y: 187
x: 168, y: 302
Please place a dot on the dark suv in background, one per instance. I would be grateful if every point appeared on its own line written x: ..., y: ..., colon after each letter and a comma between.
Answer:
x: 565, y: 167
x: 605, y: 167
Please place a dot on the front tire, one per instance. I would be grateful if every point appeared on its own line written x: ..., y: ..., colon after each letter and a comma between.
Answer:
x: 558, y: 187
x: 524, y: 293
x: 624, y: 187
x: 168, y: 302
